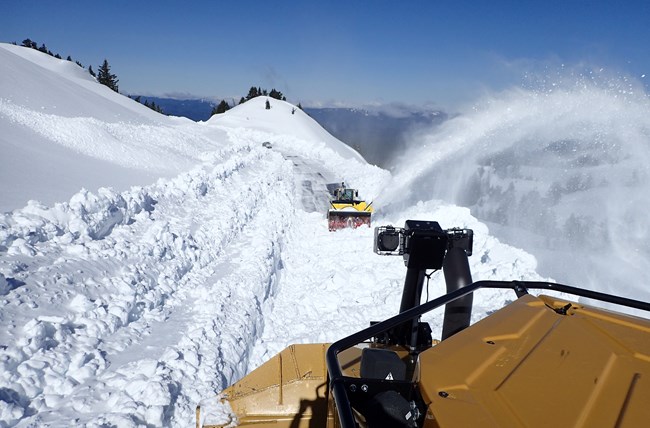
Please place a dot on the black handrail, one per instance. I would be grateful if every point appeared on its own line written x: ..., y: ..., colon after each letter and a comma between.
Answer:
x: 335, y: 372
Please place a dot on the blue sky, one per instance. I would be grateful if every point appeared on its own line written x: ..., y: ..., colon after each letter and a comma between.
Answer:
x: 439, y: 53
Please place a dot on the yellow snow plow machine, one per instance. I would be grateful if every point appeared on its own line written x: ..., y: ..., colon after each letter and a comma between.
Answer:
x: 346, y: 209
x: 539, y: 361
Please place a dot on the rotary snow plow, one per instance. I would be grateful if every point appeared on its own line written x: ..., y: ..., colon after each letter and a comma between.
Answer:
x: 347, y: 209
x: 539, y: 361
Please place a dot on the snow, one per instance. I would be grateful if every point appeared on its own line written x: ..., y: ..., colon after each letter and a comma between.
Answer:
x: 148, y: 262
x: 562, y: 172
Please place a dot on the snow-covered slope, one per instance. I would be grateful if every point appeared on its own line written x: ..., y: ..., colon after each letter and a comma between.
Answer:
x: 33, y: 80
x: 283, y: 119
x: 128, y: 306
x: 62, y: 128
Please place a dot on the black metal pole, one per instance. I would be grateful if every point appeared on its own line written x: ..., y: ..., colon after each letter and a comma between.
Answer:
x: 412, y: 289
x: 408, y: 332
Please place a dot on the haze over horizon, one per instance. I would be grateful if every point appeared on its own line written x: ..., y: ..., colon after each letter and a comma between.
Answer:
x: 337, y: 53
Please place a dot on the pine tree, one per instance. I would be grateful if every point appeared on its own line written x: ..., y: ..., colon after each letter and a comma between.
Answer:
x: 221, y: 108
x: 90, y: 70
x: 275, y: 94
x: 105, y: 77
x: 252, y: 93
x: 242, y: 100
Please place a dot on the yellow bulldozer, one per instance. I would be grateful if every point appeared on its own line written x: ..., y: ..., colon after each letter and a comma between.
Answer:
x: 540, y: 361
x: 346, y: 209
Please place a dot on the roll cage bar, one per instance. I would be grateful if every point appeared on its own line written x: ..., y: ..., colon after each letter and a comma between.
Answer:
x: 338, y: 381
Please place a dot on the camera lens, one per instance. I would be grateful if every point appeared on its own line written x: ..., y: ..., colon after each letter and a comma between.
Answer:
x: 388, y: 241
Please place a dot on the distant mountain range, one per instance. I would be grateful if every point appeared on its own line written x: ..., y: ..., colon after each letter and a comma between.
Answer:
x: 379, y: 135
x: 195, y: 109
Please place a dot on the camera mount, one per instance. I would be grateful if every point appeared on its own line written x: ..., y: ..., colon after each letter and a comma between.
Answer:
x: 425, y: 245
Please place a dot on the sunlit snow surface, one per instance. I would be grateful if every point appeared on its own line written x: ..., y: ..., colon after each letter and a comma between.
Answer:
x: 129, y: 306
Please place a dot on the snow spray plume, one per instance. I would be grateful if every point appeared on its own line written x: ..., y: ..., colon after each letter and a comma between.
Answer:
x: 561, y: 171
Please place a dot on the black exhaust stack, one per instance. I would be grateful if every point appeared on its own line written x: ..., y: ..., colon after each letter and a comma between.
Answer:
x: 458, y: 313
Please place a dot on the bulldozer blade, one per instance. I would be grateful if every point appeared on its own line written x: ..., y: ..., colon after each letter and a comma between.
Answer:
x: 288, y: 391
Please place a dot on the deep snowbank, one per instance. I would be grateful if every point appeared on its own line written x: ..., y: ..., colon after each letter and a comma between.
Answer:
x: 107, y: 296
